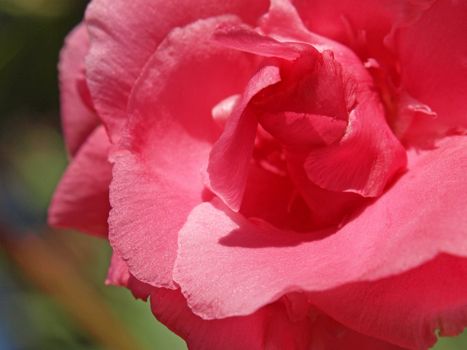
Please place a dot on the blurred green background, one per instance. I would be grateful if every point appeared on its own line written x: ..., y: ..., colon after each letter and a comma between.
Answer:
x: 52, y: 294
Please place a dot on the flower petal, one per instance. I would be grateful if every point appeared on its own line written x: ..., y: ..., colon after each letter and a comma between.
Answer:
x: 406, y: 309
x: 230, y: 157
x: 262, y: 263
x: 81, y: 200
x: 362, y: 28
x: 232, y: 333
x: 78, y: 116
x: 271, y: 197
x: 157, y: 171
x: 432, y: 54
x: 268, y: 328
x: 245, y: 39
x: 366, y: 158
x: 124, y: 36
x: 118, y: 275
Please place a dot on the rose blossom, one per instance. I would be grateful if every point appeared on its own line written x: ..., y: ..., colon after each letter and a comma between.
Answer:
x: 283, y: 175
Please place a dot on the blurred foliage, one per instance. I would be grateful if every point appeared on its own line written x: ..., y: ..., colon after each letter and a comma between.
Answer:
x: 34, y: 315
x: 32, y: 159
x: 35, y: 159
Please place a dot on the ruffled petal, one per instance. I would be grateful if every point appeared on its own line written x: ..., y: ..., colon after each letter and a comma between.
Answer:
x: 157, y: 171
x: 81, y: 200
x: 78, y: 116
x: 406, y: 309
x: 124, y: 36
x: 230, y: 157
x: 432, y: 53
x: 262, y: 263
x: 327, y: 208
x: 365, y: 159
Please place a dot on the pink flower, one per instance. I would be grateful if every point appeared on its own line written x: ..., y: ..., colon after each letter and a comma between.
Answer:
x: 282, y: 175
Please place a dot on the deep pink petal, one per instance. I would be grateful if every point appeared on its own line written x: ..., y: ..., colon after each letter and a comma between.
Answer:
x: 432, y: 53
x: 78, y: 116
x: 327, y: 208
x: 365, y: 160
x: 157, y: 171
x: 81, y: 200
x: 262, y: 263
x: 303, y: 130
x: 362, y: 27
x: 338, y: 87
x: 405, y: 309
x: 230, y: 157
x: 271, y: 327
x: 271, y: 197
x: 230, y: 334
x: 124, y: 36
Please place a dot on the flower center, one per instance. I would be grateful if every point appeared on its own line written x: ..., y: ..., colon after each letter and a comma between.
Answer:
x: 311, y: 114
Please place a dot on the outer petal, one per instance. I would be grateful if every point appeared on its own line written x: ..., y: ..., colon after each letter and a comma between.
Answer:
x: 125, y: 34
x: 262, y: 264
x: 118, y: 275
x: 405, y: 309
x: 230, y: 334
x: 269, y: 328
x: 157, y: 171
x: 78, y: 116
x: 433, y: 58
x: 81, y: 200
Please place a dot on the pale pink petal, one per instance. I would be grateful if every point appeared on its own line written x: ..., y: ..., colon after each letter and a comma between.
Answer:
x: 245, y: 39
x: 125, y: 34
x: 282, y: 19
x: 81, y: 200
x: 230, y: 157
x: 78, y: 116
x: 432, y: 53
x: 271, y: 327
x: 405, y: 309
x: 157, y: 171
x: 255, y: 265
